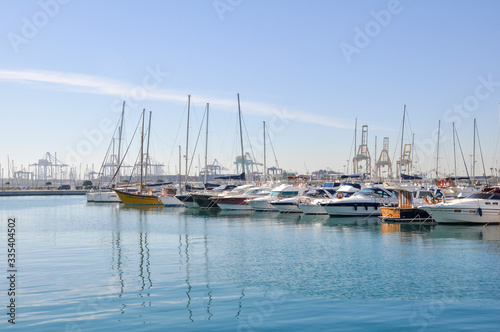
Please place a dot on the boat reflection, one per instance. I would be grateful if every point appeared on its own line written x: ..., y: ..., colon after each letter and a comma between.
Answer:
x: 200, y: 212
x: 144, y: 208
x: 231, y: 213
x: 407, y: 228
x: 355, y: 221
x: 314, y: 218
x: 192, y: 254
x: 467, y: 232
x: 436, y: 231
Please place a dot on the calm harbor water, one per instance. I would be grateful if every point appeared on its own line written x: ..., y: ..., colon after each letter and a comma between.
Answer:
x: 94, y: 267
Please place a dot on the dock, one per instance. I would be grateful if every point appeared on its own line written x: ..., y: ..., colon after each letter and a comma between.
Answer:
x: 42, y: 192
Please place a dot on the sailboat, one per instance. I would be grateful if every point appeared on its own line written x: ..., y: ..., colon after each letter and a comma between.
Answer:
x: 140, y: 197
x: 106, y: 195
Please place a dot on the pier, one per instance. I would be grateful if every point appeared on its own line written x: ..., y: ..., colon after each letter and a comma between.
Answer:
x: 42, y: 192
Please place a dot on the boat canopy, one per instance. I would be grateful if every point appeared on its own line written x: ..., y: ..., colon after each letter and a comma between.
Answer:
x: 410, y: 177
x: 345, y: 176
x: 158, y: 184
x: 232, y: 177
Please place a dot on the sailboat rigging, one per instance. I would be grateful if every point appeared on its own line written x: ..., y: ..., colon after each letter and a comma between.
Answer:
x: 142, y: 197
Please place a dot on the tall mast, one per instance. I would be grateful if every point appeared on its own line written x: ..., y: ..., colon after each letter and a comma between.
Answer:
x: 241, y: 139
x: 412, y: 149
x: 206, y: 147
x: 180, y: 171
x: 187, y: 139
x: 454, y: 152
x: 355, y: 142
x: 147, y: 148
x: 402, y: 138
x: 474, y: 154
x: 142, y: 144
x: 437, y: 149
x: 118, y: 157
x: 375, y: 157
x: 265, y: 167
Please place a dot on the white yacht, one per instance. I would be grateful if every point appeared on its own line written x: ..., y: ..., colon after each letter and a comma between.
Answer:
x: 284, y: 191
x: 478, y: 208
x: 103, y: 196
x: 239, y: 202
x: 310, y: 202
x: 366, y: 202
x: 167, y: 197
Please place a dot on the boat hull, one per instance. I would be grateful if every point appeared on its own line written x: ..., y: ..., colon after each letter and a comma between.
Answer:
x: 396, y: 214
x: 204, y: 201
x: 286, y: 207
x: 232, y: 203
x: 103, y: 197
x: 353, y: 209
x: 187, y: 200
x: 312, y: 208
x: 138, y: 199
x: 457, y: 215
x: 171, y: 201
x: 262, y: 205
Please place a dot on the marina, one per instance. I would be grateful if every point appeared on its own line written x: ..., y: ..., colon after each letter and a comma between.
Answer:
x: 250, y: 166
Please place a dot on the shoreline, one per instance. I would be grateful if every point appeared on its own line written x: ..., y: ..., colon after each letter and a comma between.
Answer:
x: 41, y: 192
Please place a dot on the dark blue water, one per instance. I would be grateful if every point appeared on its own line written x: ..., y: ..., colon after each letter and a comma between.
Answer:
x: 91, y: 267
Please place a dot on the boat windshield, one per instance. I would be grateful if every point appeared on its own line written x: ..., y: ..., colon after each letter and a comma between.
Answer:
x: 224, y: 187
x: 422, y: 193
x: 482, y: 196
x: 284, y: 194
x: 372, y: 192
x: 316, y: 193
x: 239, y: 190
x: 258, y: 191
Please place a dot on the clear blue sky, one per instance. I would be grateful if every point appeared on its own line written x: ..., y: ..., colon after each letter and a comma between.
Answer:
x: 307, y: 68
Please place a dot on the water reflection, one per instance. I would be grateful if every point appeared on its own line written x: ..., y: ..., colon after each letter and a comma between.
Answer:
x: 207, y: 269
x: 407, y: 228
x: 200, y: 212
x: 232, y: 213
x: 144, y: 264
x: 467, y: 232
x: 352, y: 221
x: 310, y: 218
x: 214, y: 262
x: 116, y: 257
x: 434, y: 231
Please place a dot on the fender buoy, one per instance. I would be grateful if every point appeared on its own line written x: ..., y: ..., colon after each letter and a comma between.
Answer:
x: 426, y: 199
x: 340, y: 195
x: 307, y: 201
x: 259, y: 184
x: 280, y: 196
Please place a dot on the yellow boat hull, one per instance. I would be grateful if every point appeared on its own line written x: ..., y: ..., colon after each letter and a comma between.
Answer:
x: 138, y: 199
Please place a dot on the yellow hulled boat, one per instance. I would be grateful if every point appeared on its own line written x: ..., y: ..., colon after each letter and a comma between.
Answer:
x: 139, y: 199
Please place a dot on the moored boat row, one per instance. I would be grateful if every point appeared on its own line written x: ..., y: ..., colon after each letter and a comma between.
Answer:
x: 391, y: 204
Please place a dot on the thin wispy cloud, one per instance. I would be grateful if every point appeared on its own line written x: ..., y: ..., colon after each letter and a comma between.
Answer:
x: 105, y: 86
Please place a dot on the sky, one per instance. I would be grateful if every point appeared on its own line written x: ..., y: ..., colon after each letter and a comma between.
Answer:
x: 310, y: 70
